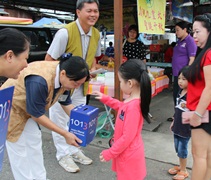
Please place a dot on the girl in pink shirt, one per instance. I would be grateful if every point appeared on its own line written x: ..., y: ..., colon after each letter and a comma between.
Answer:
x: 127, y: 151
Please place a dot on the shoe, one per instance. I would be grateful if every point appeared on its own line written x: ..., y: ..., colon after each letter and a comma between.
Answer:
x: 174, y: 170
x: 181, y: 175
x: 68, y: 164
x: 170, y: 119
x: 81, y: 158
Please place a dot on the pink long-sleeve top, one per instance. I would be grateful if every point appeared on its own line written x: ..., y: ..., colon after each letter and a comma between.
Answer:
x: 127, y: 151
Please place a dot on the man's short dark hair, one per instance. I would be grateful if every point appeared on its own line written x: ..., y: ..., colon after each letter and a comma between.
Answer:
x: 80, y: 3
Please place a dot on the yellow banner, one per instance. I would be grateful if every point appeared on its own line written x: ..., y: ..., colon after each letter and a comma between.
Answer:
x: 151, y: 16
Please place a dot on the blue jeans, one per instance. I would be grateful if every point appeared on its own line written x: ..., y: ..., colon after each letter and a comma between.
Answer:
x: 181, y: 146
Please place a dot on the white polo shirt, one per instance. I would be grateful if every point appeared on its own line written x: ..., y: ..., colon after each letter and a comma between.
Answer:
x: 59, y: 43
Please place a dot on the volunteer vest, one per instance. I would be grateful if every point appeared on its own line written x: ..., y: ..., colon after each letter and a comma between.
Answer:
x: 18, y: 115
x: 74, y: 45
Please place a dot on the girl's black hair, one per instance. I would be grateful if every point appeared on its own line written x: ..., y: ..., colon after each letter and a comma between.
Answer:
x: 194, y: 69
x: 184, y: 71
x: 13, y: 39
x: 136, y: 69
x: 76, y: 67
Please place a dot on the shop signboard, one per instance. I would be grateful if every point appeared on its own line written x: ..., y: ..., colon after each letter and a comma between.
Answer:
x: 151, y: 16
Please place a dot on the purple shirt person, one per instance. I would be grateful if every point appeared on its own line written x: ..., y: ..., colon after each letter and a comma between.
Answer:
x: 182, y: 53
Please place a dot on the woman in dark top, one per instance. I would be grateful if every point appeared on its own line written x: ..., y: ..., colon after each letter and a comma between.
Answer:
x: 132, y: 47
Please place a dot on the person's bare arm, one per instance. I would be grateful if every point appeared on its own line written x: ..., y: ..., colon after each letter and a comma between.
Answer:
x: 93, y: 67
x: 191, y: 60
x: 49, y: 58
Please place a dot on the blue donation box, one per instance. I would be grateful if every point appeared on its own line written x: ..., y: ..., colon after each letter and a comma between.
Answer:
x: 83, y: 123
x: 5, y: 107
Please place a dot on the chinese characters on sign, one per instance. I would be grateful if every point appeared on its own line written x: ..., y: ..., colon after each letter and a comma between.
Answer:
x: 151, y: 16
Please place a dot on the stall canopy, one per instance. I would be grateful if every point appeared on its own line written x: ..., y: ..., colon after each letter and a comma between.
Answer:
x: 48, y: 22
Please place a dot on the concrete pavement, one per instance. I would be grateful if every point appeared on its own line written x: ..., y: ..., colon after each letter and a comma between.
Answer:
x: 159, y: 149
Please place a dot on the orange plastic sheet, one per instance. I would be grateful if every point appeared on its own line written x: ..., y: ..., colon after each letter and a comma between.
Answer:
x: 14, y: 20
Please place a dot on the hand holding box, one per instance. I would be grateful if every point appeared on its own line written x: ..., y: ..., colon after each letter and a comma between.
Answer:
x: 83, y: 123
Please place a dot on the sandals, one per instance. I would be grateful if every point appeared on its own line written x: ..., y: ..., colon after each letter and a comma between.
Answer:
x: 181, y: 175
x: 174, y: 170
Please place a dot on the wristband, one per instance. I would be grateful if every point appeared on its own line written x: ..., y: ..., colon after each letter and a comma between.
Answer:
x: 199, y: 115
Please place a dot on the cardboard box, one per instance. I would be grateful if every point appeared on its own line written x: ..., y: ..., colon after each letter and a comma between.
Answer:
x: 83, y: 123
x: 163, y: 41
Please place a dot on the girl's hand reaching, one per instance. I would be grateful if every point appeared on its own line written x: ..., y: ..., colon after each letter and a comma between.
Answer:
x: 97, y: 94
x: 101, y: 158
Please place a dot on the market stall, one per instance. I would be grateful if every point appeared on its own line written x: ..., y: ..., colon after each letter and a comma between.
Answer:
x: 107, y: 87
x: 158, y: 84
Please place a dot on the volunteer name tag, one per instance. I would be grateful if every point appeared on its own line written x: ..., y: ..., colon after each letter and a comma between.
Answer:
x: 62, y: 98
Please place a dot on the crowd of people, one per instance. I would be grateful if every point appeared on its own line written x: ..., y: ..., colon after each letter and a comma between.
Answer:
x: 59, y: 86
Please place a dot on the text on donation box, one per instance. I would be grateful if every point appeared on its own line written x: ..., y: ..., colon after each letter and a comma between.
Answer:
x: 5, y: 107
x: 83, y: 123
